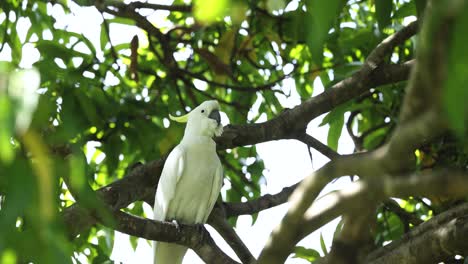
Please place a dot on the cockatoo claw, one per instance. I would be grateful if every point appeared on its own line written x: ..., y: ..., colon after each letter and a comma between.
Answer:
x: 176, y: 224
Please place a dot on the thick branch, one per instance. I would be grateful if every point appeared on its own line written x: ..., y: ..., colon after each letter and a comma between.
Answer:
x: 420, y: 121
x: 358, y: 196
x: 361, y: 195
x: 368, y: 165
x: 194, y: 237
x: 441, y: 237
x: 294, y: 121
x: 137, y: 185
x: 285, y: 236
x: 282, y: 238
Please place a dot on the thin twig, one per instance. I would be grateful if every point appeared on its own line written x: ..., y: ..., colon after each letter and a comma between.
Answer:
x: 312, y: 142
x: 218, y: 221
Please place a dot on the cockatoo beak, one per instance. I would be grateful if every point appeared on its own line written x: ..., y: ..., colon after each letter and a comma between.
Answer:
x: 215, y: 116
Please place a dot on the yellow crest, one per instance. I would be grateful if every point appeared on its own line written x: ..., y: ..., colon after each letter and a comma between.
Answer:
x: 180, y: 119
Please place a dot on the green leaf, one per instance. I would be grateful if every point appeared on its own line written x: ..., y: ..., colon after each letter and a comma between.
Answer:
x: 338, y: 229
x: 8, y: 256
x: 52, y: 49
x: 383, y: 9
x: 375, y: 139
x: 88, y: 108
x: 334, y: 132
x: 208, y: 11
x: 455, y: 90
x: 112, y: 150
x: 420, y: 6
x: 320, y: 18
x: 396, y: 228
x: 305, y: 90
x: 7, y: 152
x: 46, y: 106
x: 232, y: 196
x: 72, y: 121
x: 104, y: 39
x: 322, y: 245
x: 121, y: 20
x: 15, y: 44
x: 85, y: 2
x: 335, y: 120
x: 405, y: 10
x: 308, y: 254
x: 134, y: 242
x: 294, y: 28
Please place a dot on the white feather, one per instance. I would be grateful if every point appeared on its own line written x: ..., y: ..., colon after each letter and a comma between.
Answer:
x: 190, y: 181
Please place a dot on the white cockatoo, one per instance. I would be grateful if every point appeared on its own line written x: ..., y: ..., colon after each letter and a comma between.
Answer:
x: 191, y: 179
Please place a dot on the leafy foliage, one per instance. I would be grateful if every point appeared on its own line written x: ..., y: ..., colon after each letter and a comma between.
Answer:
x: 102, y: 104
x: 306, y: 253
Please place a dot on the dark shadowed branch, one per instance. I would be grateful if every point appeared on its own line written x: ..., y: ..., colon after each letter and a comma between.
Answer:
x: 312, y: 142
x: 436, y: 240
x: 194, y: 237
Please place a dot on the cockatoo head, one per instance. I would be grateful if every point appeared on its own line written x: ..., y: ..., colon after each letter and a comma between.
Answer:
x: 204, y: 120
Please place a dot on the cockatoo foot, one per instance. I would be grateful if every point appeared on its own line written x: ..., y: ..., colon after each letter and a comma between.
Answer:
x: 176, y: 224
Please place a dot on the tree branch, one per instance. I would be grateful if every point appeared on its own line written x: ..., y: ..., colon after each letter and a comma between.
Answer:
x: 178, y: 8
x: 262, y: 87
x: 401, y: 144
x: 358, y: 196
x: 218, y: 220
x: 441, y: 237
x: 311, y: 142
x: 193, y: 237
x: 286, y: 234
x: 294, y: 121
x: 138, y: 184
x: 262, y: 203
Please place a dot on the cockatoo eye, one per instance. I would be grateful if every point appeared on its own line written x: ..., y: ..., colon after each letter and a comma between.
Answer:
x: 203, y: 111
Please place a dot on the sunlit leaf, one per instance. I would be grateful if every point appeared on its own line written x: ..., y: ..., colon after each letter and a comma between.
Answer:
x: 6, y: 120
x: 335, y: 120
x: 208, y: 11
x: 308, y: 254
x: 8, y: 257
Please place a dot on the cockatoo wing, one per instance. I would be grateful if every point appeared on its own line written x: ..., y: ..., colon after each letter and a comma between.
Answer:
x: 170, y: 175
x: 166, y: 253
x: 217, y: 184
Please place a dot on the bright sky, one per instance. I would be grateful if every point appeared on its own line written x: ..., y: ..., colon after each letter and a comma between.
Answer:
x: 287, y: 162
